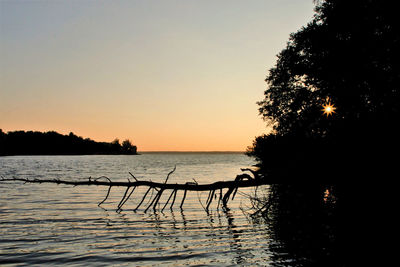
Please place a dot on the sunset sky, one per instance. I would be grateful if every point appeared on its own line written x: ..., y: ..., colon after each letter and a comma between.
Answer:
x: 168, y: 75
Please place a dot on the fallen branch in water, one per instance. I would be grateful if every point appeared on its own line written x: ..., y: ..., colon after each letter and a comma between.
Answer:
x: 241, y: 181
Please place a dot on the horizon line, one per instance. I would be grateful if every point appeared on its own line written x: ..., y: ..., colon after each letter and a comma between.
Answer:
x: 191, y: 151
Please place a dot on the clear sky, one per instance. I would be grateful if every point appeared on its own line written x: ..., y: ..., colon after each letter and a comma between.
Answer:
x: 168, y: 75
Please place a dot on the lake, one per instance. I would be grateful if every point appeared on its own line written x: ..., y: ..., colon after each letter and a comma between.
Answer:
x: 49, y: 224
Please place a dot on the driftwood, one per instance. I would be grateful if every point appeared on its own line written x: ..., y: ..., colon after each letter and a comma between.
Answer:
x: 241, y: 180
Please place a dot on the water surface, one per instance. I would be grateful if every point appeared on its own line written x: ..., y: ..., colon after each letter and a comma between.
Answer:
x: 49, y: 224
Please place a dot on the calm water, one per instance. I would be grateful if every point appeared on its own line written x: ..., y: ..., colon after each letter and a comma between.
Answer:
x: 51, y: 224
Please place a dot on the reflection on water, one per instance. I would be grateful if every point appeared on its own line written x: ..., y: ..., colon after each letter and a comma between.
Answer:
x: 58, y: 224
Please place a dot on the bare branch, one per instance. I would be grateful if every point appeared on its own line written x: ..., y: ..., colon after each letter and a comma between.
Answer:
x: 171, y: 172
x: 133, y: 177
x: 241, y: 180
x: 210, y: 200
x: 142, y: 199
x: 126, y: 191
x: 108, y: 193
x: 183, y: 199
x: 173, y: 200
x: 126, y: 199
x: 166, y: 203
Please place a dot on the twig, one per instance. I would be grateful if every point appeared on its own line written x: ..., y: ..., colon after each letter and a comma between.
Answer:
x: 166, y: 203
x: 211, y: 199
x: 234, y: 193
x: 173, y: 199
x: 171, y: 172
x: 158, y: 199
x: 198, y: 197
x: 225, y: 199
x: 209, y: 195
x: 154, y: 199
x: 142, y: 199
x: 183, y: 199
x: 126, y: 191
x: 220, y: 197
x: 109, y: 188
x: 133, y: 177
x: 126, y: 199
x: 108, y: 193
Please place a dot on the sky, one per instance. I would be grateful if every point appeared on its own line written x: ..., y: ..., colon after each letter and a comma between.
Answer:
x: 170, y: 75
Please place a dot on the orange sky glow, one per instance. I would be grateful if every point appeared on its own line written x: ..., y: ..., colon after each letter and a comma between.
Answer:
x: 168, y: 75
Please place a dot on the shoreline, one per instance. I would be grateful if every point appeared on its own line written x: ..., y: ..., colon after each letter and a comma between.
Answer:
x: 137, y: 154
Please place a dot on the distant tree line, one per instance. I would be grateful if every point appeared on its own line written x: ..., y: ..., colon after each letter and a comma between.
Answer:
x: 53, y: 143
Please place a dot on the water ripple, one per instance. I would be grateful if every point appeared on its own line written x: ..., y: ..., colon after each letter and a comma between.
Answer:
x: 62, y: 225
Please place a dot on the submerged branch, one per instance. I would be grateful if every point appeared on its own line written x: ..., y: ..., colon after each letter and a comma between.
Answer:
x: 242, y: 180
x: 186, y: 186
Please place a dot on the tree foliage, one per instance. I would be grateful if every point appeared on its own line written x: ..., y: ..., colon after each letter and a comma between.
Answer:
x: 349, y: 53
x: 53, y: 143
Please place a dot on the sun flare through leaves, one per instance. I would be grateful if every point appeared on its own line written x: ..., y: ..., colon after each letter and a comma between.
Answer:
x: 328, y: 108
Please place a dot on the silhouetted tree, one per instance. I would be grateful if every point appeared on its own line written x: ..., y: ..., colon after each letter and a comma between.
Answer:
x: 115, y: 142
x: 128, y: 148
x: 2, y: 142
x: 53, y: 143
x: 349, y: 53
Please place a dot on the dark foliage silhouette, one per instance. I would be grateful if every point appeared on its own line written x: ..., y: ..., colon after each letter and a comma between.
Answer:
x: 347, y: 55
x: 349, y: 52
x: 53, y: 143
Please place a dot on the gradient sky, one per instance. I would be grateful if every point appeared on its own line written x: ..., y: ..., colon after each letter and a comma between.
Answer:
x: 168, y: 75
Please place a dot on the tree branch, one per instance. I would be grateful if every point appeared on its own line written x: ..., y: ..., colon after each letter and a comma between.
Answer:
x: 241, y: 180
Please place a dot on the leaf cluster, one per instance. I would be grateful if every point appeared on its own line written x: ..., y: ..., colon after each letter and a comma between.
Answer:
x: 350, y: 53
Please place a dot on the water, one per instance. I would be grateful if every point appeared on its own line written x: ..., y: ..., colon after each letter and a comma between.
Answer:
x: 49, y: 224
